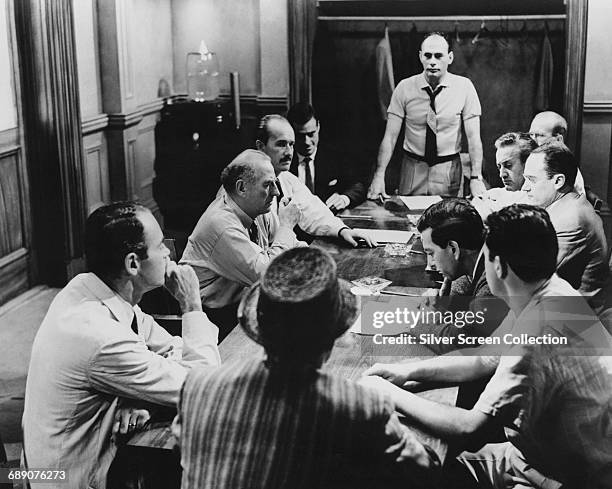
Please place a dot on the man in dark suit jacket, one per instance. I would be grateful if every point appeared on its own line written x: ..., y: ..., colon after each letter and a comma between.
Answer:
x: 282, y: 421
x: 324, y: 170
x: 550, y: 173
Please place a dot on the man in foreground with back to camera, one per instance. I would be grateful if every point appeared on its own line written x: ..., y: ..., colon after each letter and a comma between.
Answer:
x: 236, y: 237
x: 96, y: 354
x: 281, y: 421
x: 555, y: 404
x: 433, y: 106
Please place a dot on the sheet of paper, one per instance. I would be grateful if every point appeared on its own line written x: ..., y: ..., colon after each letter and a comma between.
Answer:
x: 419, y: 202
x: 388, y: 235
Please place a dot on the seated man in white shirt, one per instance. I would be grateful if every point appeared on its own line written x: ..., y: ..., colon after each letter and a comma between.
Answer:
x: 513, y: 148
x: 276, y: 138
x: 236, y: 237
x: 96, y: 350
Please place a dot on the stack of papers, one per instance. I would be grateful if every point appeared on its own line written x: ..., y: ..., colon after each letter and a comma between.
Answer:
x: 419, y: 202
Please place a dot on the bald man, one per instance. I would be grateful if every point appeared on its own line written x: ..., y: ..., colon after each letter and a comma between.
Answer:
x: 433, y: 106
x: 235, y: 239
x: 548, y: 126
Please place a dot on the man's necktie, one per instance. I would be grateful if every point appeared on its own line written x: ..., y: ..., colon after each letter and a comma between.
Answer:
x: 134, y: 324
x: 308, y: 174
x: 254, y: 233
x: 280, y: 190
x: 431, y: 144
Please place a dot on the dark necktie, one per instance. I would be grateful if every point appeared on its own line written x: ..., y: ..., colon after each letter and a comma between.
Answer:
x: 431, y: 144
x: 308, y: 174
x: 254, y: 233
x: 134, y: 324
x: 280, y: 190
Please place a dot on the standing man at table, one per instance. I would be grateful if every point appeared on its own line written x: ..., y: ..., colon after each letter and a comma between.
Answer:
x: 236, y: 238
x: 432, y: 106
x: 96, y: 353
x: 276, y: 138
x: 555, y: 403
x: 281, y: 420
x: 329, y: 174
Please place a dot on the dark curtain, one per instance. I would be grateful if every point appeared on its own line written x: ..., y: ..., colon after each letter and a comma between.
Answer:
x: 504, y: 66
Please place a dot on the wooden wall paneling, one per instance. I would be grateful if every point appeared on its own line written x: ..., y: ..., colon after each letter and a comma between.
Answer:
x: 96, y: 170
x: 11, y: 217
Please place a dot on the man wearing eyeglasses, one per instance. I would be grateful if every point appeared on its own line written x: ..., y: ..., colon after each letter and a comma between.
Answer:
x: 433, y: 106
x: 549, y: 126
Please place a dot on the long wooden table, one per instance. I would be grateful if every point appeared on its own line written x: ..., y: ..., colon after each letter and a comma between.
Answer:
x: 353, y: 354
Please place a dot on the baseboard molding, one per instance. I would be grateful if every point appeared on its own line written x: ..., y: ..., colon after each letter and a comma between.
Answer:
x: 22, y: 298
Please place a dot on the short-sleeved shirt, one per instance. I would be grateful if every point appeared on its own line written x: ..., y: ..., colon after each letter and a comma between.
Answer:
x: 457, y: 101
x: 556, y: 407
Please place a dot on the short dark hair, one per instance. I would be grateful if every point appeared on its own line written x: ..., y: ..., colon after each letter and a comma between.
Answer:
x: 443, y: 35
x: 301, y: 113
x: 558, y: 158
x: 111, y: 232
x: 453, y: 220
x: 263, y: 129
x: 524, y: 239
x: 521, y: 140
x: 241, y: 168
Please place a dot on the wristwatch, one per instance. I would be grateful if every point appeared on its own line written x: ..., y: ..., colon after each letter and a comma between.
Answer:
x: 476, y: 177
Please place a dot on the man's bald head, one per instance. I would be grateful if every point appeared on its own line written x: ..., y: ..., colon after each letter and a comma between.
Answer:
x: 548, y: 125
x: 243, y: 167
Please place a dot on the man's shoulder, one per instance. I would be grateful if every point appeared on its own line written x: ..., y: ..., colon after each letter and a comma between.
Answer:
x: 217, y: 217
x: 572, y: 212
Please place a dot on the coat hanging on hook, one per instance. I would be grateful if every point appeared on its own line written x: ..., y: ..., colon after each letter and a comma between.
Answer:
x: 385, y: 81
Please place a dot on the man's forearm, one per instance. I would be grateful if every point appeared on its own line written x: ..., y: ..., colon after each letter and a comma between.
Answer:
x: 384, y: 156
x: 440, y: 419
x: 450, y: 368
x: 475, y: 150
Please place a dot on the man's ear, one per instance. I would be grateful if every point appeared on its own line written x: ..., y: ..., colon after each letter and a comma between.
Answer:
x: 131, y: 263
x: 259, y: 145
x: 559, y: 180
x: 451, y: 57
x: 499, y: 269
x: 454, y: 248
x: 240, y: 187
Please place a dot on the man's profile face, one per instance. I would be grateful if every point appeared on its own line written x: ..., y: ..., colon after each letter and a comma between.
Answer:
x: 510, y: 167
x: 540, y: 188
x: 307, y: 137
x: 153, y: 268
x: 435, y: 57
x: 442, y: 258
x: 261, y: 191
x: 280, y: 145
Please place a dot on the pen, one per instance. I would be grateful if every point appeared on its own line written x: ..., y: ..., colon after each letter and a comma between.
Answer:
x: 417, y: 252
x: 357, y: 217
x: 390, y: 292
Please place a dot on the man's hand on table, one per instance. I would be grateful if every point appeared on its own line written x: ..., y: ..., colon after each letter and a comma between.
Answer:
x: 385, y: 374
x: 129, y: 419
x: 377, y: 187
x: 183, y: 284
x: 337, y: 202
x: 351, y: 236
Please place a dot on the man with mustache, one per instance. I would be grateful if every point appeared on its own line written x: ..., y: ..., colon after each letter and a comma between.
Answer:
x: 236, y: 238
x: 433, y: 106
x: 276, y: 138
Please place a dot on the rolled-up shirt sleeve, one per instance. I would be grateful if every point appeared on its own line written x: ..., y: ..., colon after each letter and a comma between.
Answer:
x: 472, y: 103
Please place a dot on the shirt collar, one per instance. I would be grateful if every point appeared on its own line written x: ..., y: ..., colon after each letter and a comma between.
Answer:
x: 118, y: 306
x: 302, y: 158
x: 444, y: 82
x: 244, y: 218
